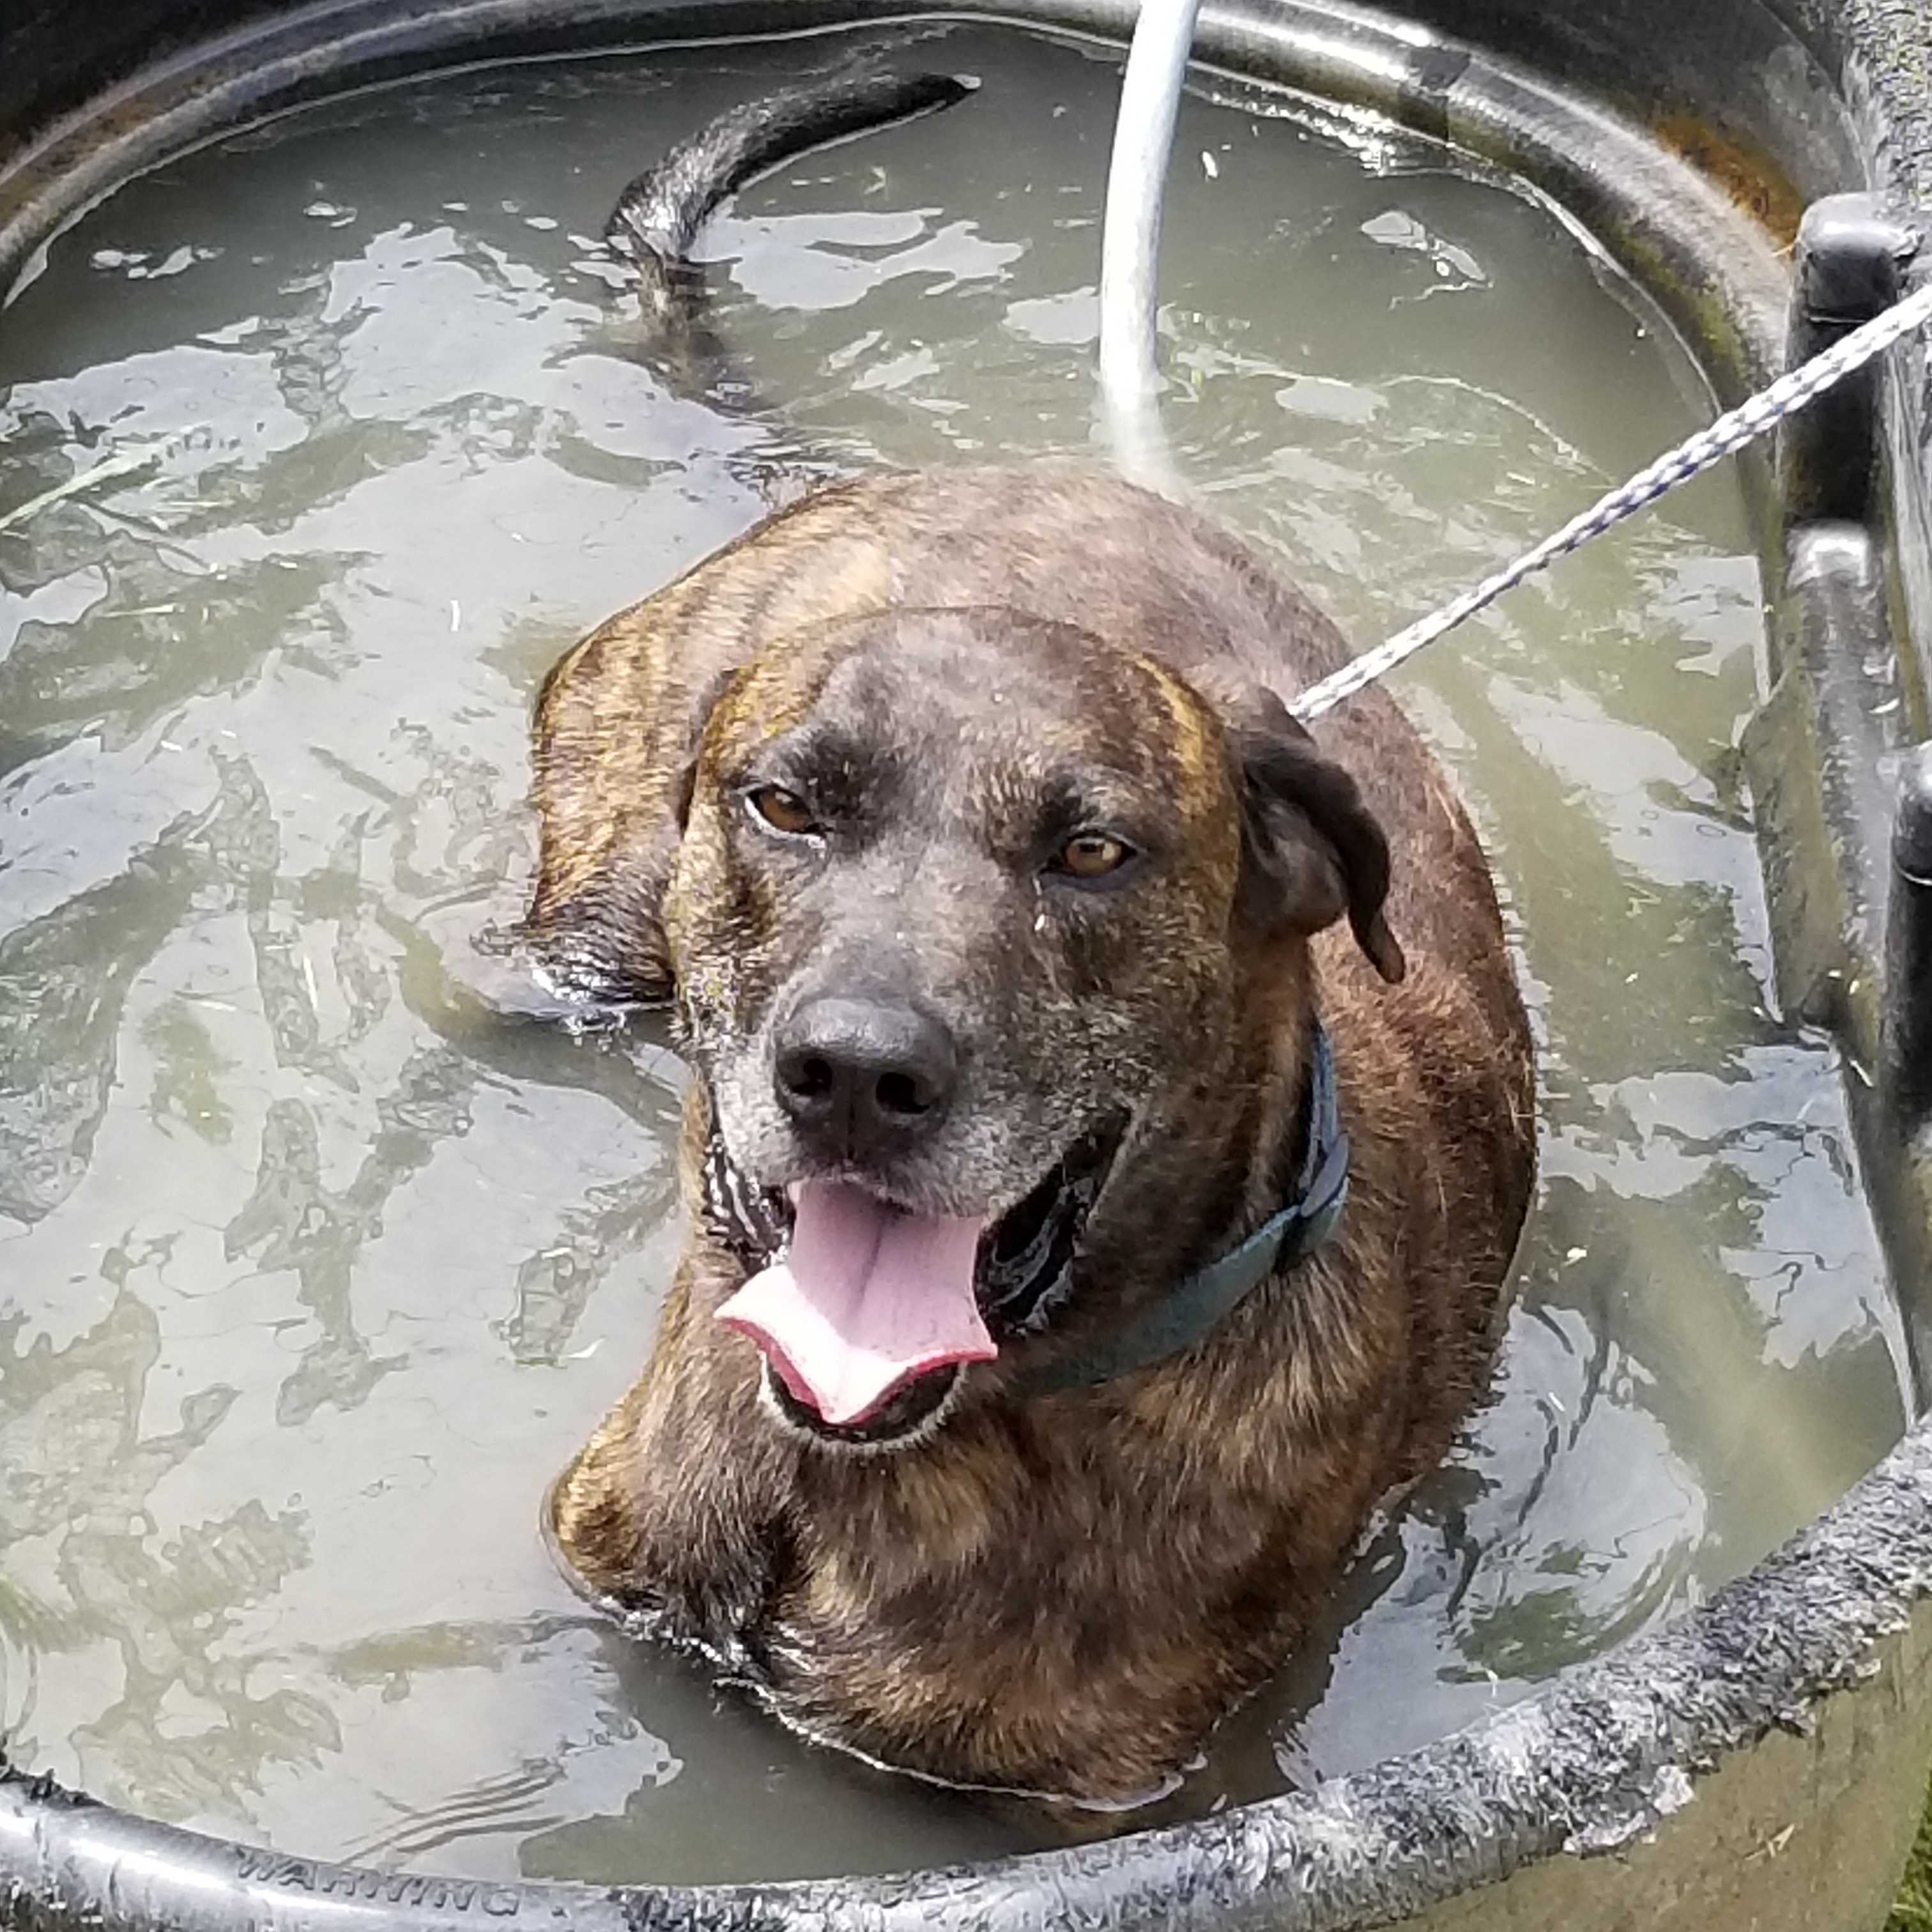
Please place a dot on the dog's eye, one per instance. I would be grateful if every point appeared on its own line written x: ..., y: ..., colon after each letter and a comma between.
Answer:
x: 783, y: 811
x: 1092, y: 855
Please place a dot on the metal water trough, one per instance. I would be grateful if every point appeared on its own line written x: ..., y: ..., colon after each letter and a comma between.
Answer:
x: 1761, y: 1762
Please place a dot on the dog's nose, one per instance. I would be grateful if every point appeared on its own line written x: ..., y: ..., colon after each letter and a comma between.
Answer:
x: 864, y: 1076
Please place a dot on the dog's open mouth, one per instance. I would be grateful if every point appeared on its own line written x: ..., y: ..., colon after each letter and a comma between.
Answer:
x: 865, y: 1314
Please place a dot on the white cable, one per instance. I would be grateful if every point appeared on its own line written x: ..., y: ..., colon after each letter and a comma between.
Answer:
x: 1130, y: 234
x: 1730, y: 432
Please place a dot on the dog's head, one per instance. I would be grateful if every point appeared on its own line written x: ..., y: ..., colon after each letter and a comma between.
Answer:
x: 963, y: 900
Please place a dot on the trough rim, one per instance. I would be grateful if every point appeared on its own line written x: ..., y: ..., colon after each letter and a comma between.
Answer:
x: 1589, y: 1764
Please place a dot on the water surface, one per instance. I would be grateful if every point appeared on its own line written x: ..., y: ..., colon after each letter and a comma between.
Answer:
x: 313, y: 1273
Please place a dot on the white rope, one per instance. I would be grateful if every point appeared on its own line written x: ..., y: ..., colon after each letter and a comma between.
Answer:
x: 1731, y: 432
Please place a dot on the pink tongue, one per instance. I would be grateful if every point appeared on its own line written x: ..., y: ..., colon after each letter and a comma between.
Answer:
x: 865, y: 1298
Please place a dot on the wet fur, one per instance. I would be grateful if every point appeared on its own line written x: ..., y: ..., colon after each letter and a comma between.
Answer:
x: 1057, y: 1592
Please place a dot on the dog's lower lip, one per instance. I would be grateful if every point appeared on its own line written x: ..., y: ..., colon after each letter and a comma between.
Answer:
x: 902, y: 1414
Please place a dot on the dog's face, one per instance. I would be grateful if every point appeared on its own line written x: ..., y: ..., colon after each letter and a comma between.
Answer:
x: 960, y: 905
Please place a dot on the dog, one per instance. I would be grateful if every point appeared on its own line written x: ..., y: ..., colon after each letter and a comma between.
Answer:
x: 1111, y: 1122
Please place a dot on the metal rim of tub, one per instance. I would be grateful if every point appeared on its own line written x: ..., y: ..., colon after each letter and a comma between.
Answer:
x: 1592, y: 1763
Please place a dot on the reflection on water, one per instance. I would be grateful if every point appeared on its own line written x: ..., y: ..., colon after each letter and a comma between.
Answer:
x: 313, y: 1269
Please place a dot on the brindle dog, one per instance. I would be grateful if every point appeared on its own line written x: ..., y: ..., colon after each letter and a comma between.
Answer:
x: 1015, y: 934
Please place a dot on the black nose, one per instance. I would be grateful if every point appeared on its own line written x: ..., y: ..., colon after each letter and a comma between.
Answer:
x: 863, y: 1076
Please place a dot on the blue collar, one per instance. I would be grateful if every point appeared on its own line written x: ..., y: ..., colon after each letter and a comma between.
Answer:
x: 1187, y: 1313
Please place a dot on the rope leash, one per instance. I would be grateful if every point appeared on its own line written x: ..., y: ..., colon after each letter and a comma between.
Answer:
x: 1728, y: 434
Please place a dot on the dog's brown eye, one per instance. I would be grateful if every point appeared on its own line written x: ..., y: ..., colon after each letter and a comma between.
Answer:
x: 783, y: 811
x: 1092, y: 855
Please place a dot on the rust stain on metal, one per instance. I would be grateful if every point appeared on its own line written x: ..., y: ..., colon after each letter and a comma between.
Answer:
x: 1745, y: 172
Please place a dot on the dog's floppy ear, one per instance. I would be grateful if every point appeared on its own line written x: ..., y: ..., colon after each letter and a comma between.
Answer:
x: 614, y: 802
x: 1311, y: 849
x: 704, y: 701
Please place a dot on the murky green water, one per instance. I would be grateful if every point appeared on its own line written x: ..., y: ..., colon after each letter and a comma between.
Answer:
x: 312, y: 1273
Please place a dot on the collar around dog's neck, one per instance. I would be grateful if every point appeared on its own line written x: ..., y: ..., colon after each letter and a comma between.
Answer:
x: 1206, y: 1298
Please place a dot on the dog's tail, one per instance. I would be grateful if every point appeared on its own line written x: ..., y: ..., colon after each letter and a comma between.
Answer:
x: 659, y: 215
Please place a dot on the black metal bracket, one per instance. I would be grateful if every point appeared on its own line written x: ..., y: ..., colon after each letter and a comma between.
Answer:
x: 1848, y: 266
